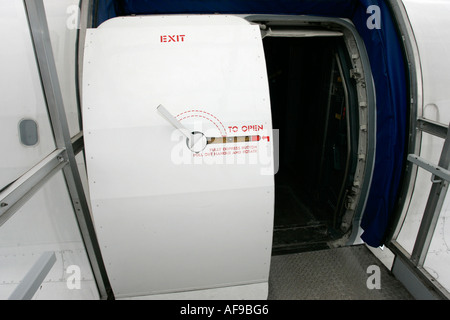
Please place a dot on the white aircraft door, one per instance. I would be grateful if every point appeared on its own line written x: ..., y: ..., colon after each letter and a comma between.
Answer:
x: 171, y: 216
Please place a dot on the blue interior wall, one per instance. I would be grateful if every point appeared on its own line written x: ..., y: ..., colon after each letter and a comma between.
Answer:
x: 388, y: 69
x: 334, y: 8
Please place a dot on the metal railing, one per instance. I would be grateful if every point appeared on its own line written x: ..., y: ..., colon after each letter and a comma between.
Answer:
x: 16, y: 194
x: 419, y: 280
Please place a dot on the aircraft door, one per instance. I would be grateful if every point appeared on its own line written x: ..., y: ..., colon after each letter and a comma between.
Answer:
x: 178, y: 140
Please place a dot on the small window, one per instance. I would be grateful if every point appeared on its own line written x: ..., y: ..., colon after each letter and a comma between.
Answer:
x: 28, y: 130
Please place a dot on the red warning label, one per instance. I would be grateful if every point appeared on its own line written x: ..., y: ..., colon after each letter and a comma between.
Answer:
x: 246, y: 128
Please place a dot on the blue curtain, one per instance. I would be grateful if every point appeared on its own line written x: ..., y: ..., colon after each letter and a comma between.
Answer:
x: 388, y: 69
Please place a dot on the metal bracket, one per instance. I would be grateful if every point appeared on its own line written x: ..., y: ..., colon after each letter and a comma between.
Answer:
x: 355, y: 73
x: 435, y: 170
x: 432, y: 127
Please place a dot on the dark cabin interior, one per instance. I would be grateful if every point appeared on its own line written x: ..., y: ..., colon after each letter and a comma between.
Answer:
x: 309, y: 110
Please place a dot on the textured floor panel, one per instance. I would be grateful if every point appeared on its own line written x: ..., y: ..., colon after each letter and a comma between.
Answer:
x: 332, y: 274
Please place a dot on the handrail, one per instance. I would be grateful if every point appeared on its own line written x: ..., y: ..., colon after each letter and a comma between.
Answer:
x: 414, y: 262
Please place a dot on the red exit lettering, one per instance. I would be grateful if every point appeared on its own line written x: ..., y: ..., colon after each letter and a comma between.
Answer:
x: 173, y: 38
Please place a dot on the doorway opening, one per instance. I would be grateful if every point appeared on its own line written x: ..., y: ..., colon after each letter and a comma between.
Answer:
x: 312, y: 107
